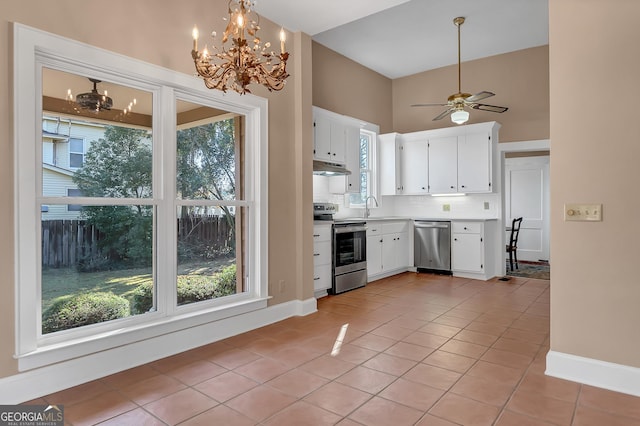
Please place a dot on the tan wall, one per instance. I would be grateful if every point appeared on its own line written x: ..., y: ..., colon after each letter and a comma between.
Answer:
x: 519, y: 79
x: 159, y: 32
x: 594, y: 69
x: 346, y: 87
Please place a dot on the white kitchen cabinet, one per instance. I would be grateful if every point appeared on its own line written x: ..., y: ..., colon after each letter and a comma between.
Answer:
x: 460, y: 163
x: 329, y: 137
x: 349, y: 183
x: 472, y: 249
x: 389, y: 164
x: 388, y: 248
x: 403, y: 164
x: 414, y: 165
x: 322, y: 273
x: 467, y: 246
x: 454, y: 160
x: 374, y: 255
x: 474, y: 162
x: 443, y: 165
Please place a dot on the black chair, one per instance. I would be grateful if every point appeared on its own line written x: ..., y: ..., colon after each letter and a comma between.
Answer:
x: 512, y: 247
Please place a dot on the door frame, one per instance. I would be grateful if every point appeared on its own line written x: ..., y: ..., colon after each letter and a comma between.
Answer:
x: 503, y: 148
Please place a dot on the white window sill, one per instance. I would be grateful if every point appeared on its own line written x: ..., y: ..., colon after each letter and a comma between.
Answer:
x: 54, y: 353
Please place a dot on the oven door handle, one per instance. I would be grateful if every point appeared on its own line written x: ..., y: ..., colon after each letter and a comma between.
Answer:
x: 345, y: 229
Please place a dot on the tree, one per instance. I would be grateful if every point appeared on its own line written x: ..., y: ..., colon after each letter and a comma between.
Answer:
x: 206, y: 169
x: 120, y: 166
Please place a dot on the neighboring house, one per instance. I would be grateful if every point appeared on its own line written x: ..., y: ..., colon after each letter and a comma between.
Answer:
x: 64, y: 144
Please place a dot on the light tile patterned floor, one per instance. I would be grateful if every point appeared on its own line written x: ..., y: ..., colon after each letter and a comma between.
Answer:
x: 418, y: 349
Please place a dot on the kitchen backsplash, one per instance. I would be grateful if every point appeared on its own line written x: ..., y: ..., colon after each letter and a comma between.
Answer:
x: 472, y: 206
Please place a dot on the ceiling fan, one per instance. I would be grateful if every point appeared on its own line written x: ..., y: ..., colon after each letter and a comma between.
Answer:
x: 457, y: 102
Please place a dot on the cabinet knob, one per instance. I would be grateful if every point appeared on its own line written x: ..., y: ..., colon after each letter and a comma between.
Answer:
x: 455, y: 239
x: 316, y: 278
x: 328, y: 153
x: 463, y: 186
x: 452, y: 187
x: 423, y: 187
x: 316, y: 235
x: 381, y: 240
x: 316, y: 254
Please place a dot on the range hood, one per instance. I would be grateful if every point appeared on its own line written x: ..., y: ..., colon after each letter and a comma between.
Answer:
x: 324, y: 168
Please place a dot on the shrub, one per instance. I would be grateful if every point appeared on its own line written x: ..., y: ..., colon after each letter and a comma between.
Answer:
x: 142, y: 300
x: 83, y: 309
x: 191, y: 288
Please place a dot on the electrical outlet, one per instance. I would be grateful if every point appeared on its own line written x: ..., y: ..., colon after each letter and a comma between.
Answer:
x: 446, y: 207
x: 281, y: 286
x: 486, y: 205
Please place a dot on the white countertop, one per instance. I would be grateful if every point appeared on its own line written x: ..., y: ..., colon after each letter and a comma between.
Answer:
x: 397, y: 218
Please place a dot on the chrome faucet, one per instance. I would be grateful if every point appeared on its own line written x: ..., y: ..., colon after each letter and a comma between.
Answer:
x: 366, y: 205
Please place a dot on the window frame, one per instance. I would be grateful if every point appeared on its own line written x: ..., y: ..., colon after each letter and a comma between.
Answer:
x: 35, y: 49
x: 371, y: 133
x: 71, y: 152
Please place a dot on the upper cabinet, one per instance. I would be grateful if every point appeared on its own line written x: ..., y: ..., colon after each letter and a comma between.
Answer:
x: 414, y: 154
x: 333, y: 135
x: 329, y: 140
x: 443, y: 165
x: 475, y: 163
x: 442, y: 161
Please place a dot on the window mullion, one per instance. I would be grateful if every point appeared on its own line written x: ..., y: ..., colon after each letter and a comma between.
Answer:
x: 165, y: 196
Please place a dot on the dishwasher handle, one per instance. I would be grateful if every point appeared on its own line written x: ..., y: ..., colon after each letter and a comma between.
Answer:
x: 431, y: 225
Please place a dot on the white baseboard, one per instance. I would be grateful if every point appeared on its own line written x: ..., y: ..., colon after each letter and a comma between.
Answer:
x: 593, y: 372
x: 46, y: 380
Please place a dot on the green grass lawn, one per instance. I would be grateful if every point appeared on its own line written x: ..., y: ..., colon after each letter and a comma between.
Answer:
x: 61, y: 282
x: 65, y: 281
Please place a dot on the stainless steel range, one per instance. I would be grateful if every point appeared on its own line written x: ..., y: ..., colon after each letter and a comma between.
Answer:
x: 349, y: 256
x: 349, y: 249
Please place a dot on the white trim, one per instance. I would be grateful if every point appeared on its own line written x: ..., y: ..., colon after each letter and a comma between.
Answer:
x: 535, y: 145
x: 593, y: 372
x: 503, y: 147
x: 43, y: 381
x: 35, y: 49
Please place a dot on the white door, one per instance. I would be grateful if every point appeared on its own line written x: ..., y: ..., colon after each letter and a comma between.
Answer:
x: 527, y: 196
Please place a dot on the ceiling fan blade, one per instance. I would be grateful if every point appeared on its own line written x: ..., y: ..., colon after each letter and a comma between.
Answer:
x: 479, y: 96
x: 423, y: 105
x: 492, y: 108
x: 444, y: 114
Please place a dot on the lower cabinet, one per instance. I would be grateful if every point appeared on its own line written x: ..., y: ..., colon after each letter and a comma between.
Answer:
x: 321, y: 258
x: 471, y: 249
x: 388, y: 247
x: 467, y: 246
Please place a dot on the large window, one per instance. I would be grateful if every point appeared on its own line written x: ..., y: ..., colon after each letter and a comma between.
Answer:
x: 159, y: 225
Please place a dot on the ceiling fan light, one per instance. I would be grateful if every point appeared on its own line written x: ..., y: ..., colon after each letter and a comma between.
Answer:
x: 460, y: 116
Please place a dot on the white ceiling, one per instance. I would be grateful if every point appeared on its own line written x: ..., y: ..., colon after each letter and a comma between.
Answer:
x: 398, y: 37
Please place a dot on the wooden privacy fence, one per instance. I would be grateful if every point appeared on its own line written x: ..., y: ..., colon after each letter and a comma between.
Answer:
x: 67, y: 242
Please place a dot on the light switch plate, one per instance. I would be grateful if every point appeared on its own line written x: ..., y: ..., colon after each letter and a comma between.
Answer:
x: 583, y: 212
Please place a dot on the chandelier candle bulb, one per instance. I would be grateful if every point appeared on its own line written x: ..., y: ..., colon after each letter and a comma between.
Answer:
x: 195, y: 38
x: 283, y: 38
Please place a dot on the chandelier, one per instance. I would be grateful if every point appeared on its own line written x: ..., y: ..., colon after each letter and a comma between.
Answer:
x: 237, y: 66
x: 93, y: 100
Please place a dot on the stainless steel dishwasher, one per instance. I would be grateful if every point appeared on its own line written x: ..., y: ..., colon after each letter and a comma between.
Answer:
x: 432, y: 246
